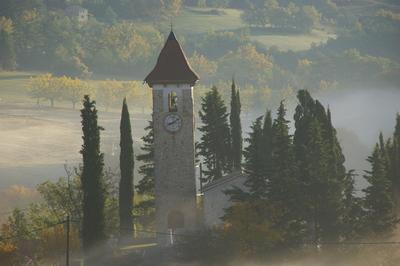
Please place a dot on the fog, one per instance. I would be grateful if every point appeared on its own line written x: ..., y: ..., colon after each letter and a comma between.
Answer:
x: 40, y: 141
x: 364, y: 111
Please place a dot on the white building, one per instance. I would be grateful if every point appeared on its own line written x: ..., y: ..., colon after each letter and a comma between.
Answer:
x: 215, y: 201
x: 77, y: 13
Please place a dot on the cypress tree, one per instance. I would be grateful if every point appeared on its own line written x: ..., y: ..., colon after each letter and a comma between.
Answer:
x: 282, y: 177
x: 126, y: 162
x: 236, y: 128
x: 384, y: 150
x: 254, y: 161
x: 321, y: 209
x: 315, y: 134
x: 395, y: 154
x: 282, y: 185
x: 214, y: 145
x: 146, y: 184
x: 335, y: 153
x: 257, y: 164
x: 379, y: 203
x: 267, y: 143
x: 352, y: 207
x: 93, y: 232
x: 391, y: 152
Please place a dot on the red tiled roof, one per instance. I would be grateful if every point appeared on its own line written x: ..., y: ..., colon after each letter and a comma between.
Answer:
x: 172, y: 66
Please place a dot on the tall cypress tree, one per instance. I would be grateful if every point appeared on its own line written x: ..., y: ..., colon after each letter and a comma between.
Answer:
x: 315, y: 134
x: 254, y: 161
x: 236, y: 128
x: 146, y: 184
x: 282, y: 183
x: 395, y: 155
x: 126, y: 162
x: 267, y: 143
x: 257, y: 164
x: 384, y: 150
x: 391, y: 153
x: 321, y: 210
x: 214, y: 145
x: 93, y: 232
x: 379, y: 202
x: 352, y: 208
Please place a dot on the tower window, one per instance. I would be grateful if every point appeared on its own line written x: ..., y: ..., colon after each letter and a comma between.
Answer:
x: 173, y: 102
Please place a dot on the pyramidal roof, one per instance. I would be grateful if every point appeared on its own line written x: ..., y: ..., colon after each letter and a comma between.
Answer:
x: 172, y: 66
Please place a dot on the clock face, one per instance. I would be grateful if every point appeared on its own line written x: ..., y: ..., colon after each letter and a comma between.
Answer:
x: 172, y: 123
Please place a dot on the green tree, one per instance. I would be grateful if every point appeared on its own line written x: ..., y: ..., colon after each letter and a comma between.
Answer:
x: 18, y: 230
x: 93, y: 231
x: 282, y: 182
x: 379, y: 203
x: 126, y: 161
x: 214, y: 145
x: 390, y: 152
x: 145, y: 187
x: 353, y: 212
x: 321, y: 171
x: 394, y: 152
x: 236, y: 128
x: 254, y: 164
x: 146, y: 170
x: 267, y: 142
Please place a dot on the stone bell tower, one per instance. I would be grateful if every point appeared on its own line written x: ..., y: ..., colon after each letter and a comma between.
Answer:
x: 172, y: 81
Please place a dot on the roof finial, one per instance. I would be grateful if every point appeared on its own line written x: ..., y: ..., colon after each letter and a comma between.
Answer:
x: 172, y: 26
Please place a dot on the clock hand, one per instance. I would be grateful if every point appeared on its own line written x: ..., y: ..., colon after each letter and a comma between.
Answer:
x: 173, y: 122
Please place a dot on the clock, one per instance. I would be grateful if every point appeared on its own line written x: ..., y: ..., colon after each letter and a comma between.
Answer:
x: 172, y: 122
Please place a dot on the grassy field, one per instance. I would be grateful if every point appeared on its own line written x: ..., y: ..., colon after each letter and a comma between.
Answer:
x: 13, y: 87
x: 202, y: 20
x: 294, y: 42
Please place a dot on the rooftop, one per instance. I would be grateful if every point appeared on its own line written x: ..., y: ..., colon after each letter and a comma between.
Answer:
x: 172, y: 66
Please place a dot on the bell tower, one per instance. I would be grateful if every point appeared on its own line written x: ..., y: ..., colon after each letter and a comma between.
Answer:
x: 172, y: 81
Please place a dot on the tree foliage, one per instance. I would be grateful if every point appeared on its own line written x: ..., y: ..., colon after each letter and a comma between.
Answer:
x: 236, y: 128
x: 321, y: 167
x: 145, y: 187
x: 214, y: 145
x: 93, y: 224
x: 379, y: 202
x: 126, y: 190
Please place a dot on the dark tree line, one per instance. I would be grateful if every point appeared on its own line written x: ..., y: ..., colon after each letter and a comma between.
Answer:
x: 301, y: 179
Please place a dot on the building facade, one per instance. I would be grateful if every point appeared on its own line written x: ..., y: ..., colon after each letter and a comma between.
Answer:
x: 215, y: 201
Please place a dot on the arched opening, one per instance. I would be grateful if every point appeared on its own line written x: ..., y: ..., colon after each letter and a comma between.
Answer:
x: 175, y: 220
x: 173, y: 102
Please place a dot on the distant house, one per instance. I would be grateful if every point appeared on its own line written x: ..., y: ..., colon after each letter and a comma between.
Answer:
x: 214, y: 199
x: 77, y: 13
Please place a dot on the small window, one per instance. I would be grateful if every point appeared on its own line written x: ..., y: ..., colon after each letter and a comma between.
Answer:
x: 173, y: 102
